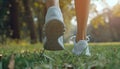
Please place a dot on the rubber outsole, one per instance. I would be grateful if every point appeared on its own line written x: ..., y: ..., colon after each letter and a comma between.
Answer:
x: 53, y: 30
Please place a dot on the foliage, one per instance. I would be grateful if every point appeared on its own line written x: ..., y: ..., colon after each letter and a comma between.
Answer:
x: 104, y: 26
x: 99, y: 20
x: 38, y: 12
x: 68, y: 11
x: 104, y: 56
x: 107, y: 12
x: 116, y: 10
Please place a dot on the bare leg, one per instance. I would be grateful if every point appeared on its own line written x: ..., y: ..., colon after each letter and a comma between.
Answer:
x: 81, y: 7
x: 81, y: 44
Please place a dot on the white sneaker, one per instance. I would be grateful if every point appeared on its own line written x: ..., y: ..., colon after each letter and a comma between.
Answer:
x: 81, y: 47
x: 54, y: 29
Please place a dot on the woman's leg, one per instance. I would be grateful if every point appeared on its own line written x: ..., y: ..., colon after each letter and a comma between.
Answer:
x: 82, y: 8
x: 81, y: 44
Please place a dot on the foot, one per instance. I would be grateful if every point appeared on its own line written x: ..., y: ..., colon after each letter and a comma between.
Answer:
x: 54, y: 29
x: 81, y: 47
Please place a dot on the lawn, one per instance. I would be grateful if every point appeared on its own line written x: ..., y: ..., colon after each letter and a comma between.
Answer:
x: 27, y: 56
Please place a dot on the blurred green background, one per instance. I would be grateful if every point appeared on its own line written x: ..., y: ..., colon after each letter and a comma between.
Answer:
x: 24, y: 20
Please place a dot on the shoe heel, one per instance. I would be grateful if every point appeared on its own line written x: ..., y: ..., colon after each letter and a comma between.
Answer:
x: 53, y: 30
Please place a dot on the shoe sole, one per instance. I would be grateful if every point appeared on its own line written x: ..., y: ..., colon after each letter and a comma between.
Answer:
x: 53, y: 30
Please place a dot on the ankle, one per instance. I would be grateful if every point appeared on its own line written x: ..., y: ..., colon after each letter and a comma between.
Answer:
x: 77, y: 40
x: 50, y: 3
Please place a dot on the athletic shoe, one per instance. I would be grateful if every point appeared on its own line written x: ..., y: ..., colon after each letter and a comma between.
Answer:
x: 54, y: 29
x: 81, y: 47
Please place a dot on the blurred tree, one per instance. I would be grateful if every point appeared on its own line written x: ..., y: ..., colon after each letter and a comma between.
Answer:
x: 97, y: 21
x: 39, y: 13
x: 106, y: 23
x: 104, y: 27
x: 29, y: 20
x: 14, y: 18
x: 114, y: 24
x: 4, y: 25
x: 116, y: 10
x: 68, y: 10
x: 100, y: 34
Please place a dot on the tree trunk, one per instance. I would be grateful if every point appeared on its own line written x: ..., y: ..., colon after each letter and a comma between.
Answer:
x: 41, y: 21
x: 29, y: 20
x: 40, y: 25
x: 14, y: 19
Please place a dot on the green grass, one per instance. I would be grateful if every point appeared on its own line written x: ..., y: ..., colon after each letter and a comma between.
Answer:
x: 104, y: 56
